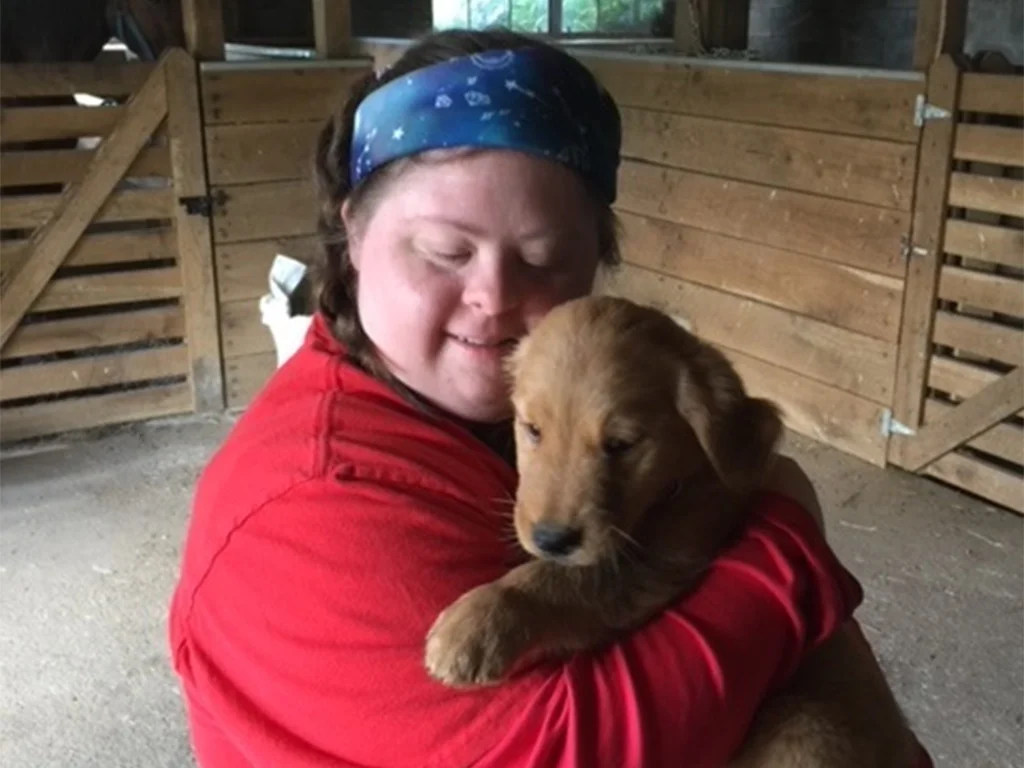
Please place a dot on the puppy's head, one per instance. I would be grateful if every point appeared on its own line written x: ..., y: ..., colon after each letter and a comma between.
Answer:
x: 616, y: 405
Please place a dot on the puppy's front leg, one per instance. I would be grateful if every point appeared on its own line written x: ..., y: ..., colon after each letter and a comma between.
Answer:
x: 536, y: 610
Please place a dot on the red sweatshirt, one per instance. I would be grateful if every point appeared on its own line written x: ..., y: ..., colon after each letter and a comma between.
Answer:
x: 337, y: 521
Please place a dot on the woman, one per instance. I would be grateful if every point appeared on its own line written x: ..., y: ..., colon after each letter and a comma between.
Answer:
x: 367, y: 486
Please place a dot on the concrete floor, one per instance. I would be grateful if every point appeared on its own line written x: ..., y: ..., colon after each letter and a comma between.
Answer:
x: 89, y: 542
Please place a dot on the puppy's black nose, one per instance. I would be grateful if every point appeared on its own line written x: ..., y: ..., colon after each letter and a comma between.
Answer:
x: 556, y: 540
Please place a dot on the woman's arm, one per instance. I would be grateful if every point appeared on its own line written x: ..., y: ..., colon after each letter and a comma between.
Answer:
x: 303, y: 643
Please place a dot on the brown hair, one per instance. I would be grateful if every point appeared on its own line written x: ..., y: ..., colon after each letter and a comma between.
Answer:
x: 336, y: 274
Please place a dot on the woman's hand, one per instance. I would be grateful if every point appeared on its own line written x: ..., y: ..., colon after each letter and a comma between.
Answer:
x: 787, y: 478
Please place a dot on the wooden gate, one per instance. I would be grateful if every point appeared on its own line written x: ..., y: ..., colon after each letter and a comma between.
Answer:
x: 959, y: 394
x: 108, y: 310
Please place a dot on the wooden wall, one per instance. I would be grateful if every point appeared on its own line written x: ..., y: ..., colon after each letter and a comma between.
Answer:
x: 96, y: 252
x: 261, y: 123
x: 770, y: 209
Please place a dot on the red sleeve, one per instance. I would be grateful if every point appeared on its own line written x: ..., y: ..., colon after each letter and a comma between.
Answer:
x: 302, y: 644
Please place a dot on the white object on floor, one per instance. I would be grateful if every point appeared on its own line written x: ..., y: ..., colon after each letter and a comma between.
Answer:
x: 287, y: 330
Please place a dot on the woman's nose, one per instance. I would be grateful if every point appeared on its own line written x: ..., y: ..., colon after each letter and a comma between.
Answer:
x: 491, y: 286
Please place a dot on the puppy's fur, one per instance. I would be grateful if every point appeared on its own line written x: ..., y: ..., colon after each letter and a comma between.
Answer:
x: 639, y: 440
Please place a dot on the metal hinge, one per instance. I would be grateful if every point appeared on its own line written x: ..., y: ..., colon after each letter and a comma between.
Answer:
x: 202, y: 205
x: 925, y: 111
x: 906, y: 249
x: 891, y: 426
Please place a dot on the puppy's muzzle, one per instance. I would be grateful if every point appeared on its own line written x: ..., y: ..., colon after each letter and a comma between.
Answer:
x: 556, y: 540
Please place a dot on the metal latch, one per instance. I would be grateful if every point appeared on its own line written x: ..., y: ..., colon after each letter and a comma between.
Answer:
x: 890, y: 426
x: 925, y: 111
x: 202, y: 205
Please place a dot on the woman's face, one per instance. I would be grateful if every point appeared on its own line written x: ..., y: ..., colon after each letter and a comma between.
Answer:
x: 459, y: 259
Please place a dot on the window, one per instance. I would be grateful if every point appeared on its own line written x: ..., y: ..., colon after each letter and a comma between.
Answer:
x: 551, y: 17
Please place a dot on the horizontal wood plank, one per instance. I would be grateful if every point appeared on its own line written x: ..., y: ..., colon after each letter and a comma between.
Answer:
x: 265, y: 210
x: 828, y: 415
x: 850, y: 168
x: 989, y: 144
x: 43, y: 419
x: 273, y: 95
x: 873, y: 107
x: 79, y: 333
x: 992, y: 94
x: 70, y: 165
x: 247, y: 375
x: 101, y: 248
x: 982, y: 290
x: 819, y: 351
x: 1004, y: 440
x: 959, y: 378
x: 242, y: 330
x: 243, y: 154
x: 980, y: 478
x: 45, y: 123
x: 110, y: 288
x: 92, y: 372
x: 125, y: 205
x: 989, y: 194
x: 1001, y: 245
x: 979, y: 337
x: 847, y: 233
x: 243, y: 269
x: 843, y: 296
x: 59, y: 79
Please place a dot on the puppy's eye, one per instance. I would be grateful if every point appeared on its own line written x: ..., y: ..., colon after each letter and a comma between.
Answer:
x: 614, y: 446
x: 532, y: 431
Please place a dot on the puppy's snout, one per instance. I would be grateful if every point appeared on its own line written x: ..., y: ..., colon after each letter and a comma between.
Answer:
x: 556, y: 540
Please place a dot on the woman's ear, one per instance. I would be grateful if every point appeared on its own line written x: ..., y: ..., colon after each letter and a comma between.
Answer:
x: 738, y: 433
x: 348, y: 222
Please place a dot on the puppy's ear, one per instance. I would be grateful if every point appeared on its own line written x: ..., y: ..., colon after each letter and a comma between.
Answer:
x: 738, y: 433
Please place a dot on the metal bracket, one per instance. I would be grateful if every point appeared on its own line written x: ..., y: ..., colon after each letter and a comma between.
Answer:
x: 202, y: 205
x: 891, y: 426
x: 925, y: 111
x: 907, y: 250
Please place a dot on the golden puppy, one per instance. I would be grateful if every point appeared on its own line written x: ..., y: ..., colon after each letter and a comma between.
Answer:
x: 638, y: 452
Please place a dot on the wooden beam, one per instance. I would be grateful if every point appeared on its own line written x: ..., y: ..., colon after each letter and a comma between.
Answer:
x: 686, y: 31
x: 204, y: 28
x: 332, y: 26
x: 996, y: 402
x: 941, y: 27
x: 926, y: 249
x: 53, y: 241
x: 195, y: 244
x: 703, y: 25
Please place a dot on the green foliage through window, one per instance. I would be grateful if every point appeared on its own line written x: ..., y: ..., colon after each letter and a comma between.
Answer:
x: 578, y: 16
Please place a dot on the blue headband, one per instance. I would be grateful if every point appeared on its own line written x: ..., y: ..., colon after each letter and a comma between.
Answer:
x: 534, y: 100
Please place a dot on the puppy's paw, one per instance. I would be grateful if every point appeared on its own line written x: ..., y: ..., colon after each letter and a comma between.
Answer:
x: 476, y: 640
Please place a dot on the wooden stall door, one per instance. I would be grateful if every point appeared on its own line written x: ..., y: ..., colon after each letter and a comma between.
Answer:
x: 960, y: 385
x: 107, y: 309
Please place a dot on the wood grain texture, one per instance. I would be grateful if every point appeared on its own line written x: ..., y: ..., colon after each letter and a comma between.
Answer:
x: 80, y: 333
x: 990, y: 194
x: 247, y: 375
x: 100, y: 248
x: 43, y: 419
x: 934, y: 163
x: 941, y: 27
x: 75, y: 209
x: 847, y: 233
x: 279, y: 95
x: 1004, y: 440
x: 872, y: 107
x: 71, y: 165
x: 39, y: 123
x: 850, y: 168
x: 992, y: 94
x: 204, y: 28
x: 92, y: 372
x: 195, y: 239
x: 843, y: 296
x: 243, y: 268
x: 64, y: 79
x: 981, y: 478
x: 819, y: 351
x: 243, y: 154
x: 332, y: 27
x: 110, y: 288
x: 127, y: 205
x: 989, y: 144
x: 980, y: 337
x: 243, y: 331
x: 1000, y: 245
x: 982, y: 290
x: 266, y: 210
x: 959, y: 378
